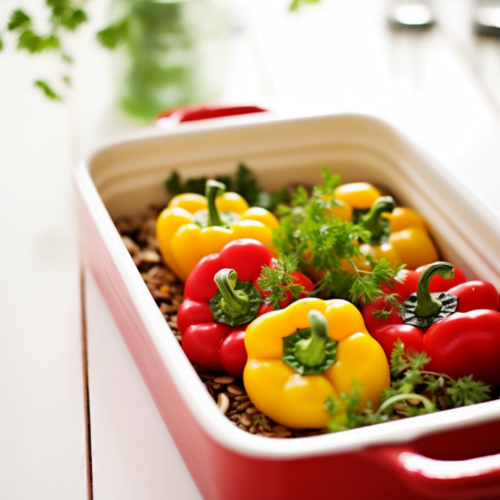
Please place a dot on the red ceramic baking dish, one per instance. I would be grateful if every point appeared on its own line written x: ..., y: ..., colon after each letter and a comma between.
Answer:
x: 453, y: 454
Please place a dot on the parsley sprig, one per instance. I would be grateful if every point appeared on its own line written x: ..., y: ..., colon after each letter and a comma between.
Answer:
x: 413, y: 391
x: 64, y: 16
x: 309, y: 228
x: 391, y: 303
x: 347, y: 412
x: 278, y: 281
x: 244, y: 183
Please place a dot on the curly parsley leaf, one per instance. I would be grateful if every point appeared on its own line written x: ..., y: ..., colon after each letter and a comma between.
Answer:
x: 174, y: 185
x: 245, y: 184
x: 277, y: 282
x: 279, y: 197
x: 330, y: 245
x: 433, y: 384
x: 367, y: 287
x: 347, y: 411
x: 398, y: 361
x: 326, y: 189
x: 391, y: 303
x: 413, y: 391
x: 335, y: 283
x: 466, y: 391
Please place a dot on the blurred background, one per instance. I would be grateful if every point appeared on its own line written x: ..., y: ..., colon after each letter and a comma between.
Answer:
x: 107, y: 67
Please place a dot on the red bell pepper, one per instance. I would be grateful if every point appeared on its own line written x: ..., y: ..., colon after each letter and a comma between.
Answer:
x: 221, y: 298
x: 458, y: 327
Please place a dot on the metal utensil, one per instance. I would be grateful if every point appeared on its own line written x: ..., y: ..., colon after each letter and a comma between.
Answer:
x: 411, y: 13
x: 487, y: 17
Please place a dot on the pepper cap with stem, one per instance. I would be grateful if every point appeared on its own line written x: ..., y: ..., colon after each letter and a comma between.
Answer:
x: 212, y: 216
x: 310, y: 350
x: 423, y: 308
x: 375, y: 223
x: 235, y: 302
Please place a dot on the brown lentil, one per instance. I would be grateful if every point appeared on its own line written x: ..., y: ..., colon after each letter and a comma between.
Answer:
x: 242, y: 398
x: 243, y: 406
x: 234, y: 389
x: 252, y: 410
x: 225, y: 379
x: 245, y: 420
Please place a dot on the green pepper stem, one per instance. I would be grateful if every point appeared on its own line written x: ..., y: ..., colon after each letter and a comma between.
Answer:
x: 312, y: 351
x: 212, y: 190
x: 427, y: 305
x: 234, y: 303
x: 373, y: 220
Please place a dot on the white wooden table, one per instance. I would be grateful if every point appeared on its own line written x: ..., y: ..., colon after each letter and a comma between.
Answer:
x: 441, y: 86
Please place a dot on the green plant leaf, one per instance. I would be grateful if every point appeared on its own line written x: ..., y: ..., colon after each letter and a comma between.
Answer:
x: 466, y: 391
x: 33, y: 43
x: 114, y: 34
x: 47, y: 90
x: 277, y: 281
x: 18, y: 19
x: 246, y: 186
x: 75, y: 19
x: 297, y: 3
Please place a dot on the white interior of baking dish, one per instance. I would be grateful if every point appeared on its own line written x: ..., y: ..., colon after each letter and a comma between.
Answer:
x: 126, y: 176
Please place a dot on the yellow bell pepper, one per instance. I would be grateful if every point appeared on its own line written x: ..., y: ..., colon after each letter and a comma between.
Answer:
x: 400, y: 234
x: 193, y: 226
x: 313, y: 349
x: 355, y: 195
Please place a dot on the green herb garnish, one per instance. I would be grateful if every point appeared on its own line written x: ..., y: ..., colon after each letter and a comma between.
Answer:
x: 390, y: 304
x: 278, y: 281
x: 245, y: 184
x: 309, y: 229
x: 174, y: 185
x: 466, y: 391
x: 413, y: 391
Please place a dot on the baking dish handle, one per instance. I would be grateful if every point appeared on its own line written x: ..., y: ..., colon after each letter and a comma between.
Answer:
x: 442, y: 479
x: 169, y: 118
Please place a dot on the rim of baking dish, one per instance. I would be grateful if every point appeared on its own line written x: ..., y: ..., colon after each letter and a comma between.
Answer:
x: 187, y: 382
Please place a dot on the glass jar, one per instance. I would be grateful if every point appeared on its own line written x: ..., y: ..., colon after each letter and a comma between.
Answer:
x: 174, y: 53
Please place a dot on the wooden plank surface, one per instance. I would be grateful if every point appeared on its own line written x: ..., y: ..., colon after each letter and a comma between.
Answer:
x: 43, y: 445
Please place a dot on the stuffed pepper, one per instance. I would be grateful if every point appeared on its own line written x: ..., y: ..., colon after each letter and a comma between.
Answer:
x: 312, y: 350
x: 193, y: 226
x: 458, y: 327
x: 398, y: 233
x: 221, y: 296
